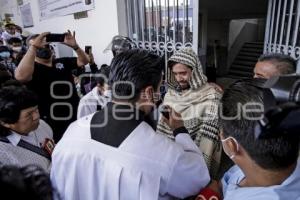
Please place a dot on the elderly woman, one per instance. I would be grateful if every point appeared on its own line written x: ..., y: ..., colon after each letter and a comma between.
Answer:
x: 24, y: 138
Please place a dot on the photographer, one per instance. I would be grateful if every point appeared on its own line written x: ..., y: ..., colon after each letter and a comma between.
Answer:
x: 52, y: 80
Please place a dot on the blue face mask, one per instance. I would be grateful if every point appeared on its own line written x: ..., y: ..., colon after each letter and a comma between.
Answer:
x: 5, y: 54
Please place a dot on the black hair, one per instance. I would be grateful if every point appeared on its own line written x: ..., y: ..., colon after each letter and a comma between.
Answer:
x: 284, y: 63
x: 138, y: 67
x: 29, y: 182
x: 4, y: 48
x: 14, y: 40
x: 103, y: 71
x: 17, y: 27
x: 274, y: 153
x: 14, y: 97
x: 5, y: 75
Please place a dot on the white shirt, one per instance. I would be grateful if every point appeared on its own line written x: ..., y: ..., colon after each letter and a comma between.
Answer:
x: 289, y: 189
x: 88, y: 104
x: 11, y: 154
x: 36, y: 137
x: 6, y: 36
x: 146, y: 166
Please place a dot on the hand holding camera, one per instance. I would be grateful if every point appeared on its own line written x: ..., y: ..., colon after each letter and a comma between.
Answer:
x: 67, y: 38
x: 70, y: 40
x: 55, y: 37
x: 39, y: 41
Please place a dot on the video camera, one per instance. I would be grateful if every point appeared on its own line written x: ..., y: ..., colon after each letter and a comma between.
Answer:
x: 282, y: 107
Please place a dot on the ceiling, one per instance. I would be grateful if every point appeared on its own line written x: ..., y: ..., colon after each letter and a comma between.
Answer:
x: 234, y: 9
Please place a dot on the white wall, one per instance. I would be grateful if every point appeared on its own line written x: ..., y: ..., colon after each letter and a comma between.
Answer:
x: 97, y: 30
x: 235, y: 27
x: 217, y: 30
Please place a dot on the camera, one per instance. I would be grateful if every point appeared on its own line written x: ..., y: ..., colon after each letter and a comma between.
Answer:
x: 282, y: 107
x: 55, y: 37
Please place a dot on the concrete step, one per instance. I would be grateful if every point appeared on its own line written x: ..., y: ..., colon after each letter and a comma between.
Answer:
x: 252, y: 50
x: 239, y: 73
x: 249, y: 54
x: 242, y: 68
x: 261, y: 43
x: 246, y: 58
x: 244, y: 63
x: 254, y: 45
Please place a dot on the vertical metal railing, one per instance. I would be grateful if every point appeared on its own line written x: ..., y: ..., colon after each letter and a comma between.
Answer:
x: 282, y: 31
x: 272, y: 22
x: 296, y: 29
x: 267, y: 31
x: 287, y: 41
x: 282, y: 23
x: 277, y: 22
x: 162, y: 26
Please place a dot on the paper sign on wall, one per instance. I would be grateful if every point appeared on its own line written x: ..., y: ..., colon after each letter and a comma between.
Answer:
x: 26, y: 15
x: 54, y: 8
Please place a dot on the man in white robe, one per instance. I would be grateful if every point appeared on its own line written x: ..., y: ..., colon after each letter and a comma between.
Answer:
x: 115, y: 153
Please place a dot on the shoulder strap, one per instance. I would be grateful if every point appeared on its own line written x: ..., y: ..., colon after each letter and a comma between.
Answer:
x: 30, y: 147
x: 4, y: 139
x: 35, y: 149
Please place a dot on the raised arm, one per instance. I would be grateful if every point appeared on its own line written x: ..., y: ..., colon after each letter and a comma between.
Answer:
x: 189, y: 174
x: 82, y: 57
x: 25, y: 68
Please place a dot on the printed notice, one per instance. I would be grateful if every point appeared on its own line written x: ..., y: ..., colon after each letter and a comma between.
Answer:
x: 26, y: 15
x: 55, y: 8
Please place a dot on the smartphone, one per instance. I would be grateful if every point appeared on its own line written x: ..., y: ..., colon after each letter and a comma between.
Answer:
x: 165, y: 112
x: 88, y: 2
x: 55, y: 37
x: 88, y: 49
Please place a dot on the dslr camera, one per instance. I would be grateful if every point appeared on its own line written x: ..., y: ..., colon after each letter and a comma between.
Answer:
x: 282, y: 107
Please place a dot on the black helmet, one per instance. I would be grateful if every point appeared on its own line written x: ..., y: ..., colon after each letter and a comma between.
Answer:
x: 119, y: 44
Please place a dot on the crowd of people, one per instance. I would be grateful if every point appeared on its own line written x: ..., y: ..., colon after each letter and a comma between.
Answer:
x: 70, y: 134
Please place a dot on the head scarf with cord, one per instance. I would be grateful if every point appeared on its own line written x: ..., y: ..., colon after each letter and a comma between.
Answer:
x: 198, y: 107
x: 189, y: 58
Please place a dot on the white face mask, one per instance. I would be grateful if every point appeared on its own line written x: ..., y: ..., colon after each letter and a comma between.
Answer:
x: 107, y: 93
x: 225, y: 149
x: 17, y: 49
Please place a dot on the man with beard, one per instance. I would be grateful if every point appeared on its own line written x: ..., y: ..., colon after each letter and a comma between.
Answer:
x: 197, y: 101
x: 52, y: 80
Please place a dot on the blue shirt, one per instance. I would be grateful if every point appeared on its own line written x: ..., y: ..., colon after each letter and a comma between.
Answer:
x: 289, y: 189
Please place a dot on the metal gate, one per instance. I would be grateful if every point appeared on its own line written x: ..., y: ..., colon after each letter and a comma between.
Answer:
x: 163, y: 26
x: 282, y: 28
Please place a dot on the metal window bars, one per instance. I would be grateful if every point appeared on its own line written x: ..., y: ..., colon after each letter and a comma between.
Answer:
x: 283, y: 28
x: 163, y: 26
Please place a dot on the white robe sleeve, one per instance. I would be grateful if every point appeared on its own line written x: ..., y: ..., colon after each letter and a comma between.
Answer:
x: 190, y: 173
